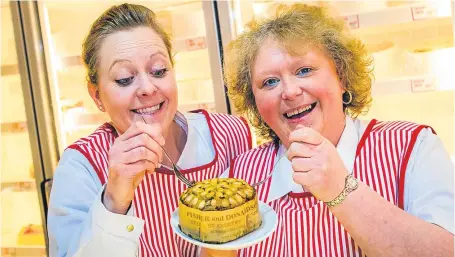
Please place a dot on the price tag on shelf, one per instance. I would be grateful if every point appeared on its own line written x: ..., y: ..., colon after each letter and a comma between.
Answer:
x: 423, y: 85
x: 13, y: 127
x: 423, y: 12
x: 352, y: 21
x: 195, y: 43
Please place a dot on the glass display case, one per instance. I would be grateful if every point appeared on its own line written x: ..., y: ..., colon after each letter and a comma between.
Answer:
x: 20, y: 220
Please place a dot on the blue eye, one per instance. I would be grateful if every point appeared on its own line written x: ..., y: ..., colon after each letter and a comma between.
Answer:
x: 124, y: 82
x: 303, y: 72
x: 270, y: 82
x: 159, y: 73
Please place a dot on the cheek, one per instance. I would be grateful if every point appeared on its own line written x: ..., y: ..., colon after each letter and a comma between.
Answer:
x: 172, y: 96
x: 169, y: 88
x: 329, y: 95
x: 267, y: 106
x: 116, y: 97
x: 121, y: 97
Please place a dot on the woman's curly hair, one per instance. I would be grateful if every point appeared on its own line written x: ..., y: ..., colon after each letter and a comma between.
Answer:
x: 291, y: 26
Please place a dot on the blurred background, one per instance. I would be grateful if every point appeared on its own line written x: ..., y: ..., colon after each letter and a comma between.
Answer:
x: 45, y: 105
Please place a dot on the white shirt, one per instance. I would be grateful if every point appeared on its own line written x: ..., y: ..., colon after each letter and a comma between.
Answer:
x: 78, y: 222
x: 429, y: 181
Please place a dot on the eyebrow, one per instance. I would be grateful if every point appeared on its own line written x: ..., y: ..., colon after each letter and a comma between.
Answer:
x: 262, y: 74
x: 117, y: 61
x: 159, y: 52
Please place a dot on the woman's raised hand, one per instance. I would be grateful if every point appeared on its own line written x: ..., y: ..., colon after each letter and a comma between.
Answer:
x: 316, y: 163
x: 134, y: 153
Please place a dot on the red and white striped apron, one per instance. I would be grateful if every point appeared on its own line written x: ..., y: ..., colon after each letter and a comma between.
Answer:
x: 306, y: 227
x: 157, y: 195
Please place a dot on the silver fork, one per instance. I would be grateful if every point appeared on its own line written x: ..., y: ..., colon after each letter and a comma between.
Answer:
x: 174, y: 166
x: 270, y: 174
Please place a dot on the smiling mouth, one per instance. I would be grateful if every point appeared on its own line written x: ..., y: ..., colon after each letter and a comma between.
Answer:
x: 299, y: 113
x: 149, y: 110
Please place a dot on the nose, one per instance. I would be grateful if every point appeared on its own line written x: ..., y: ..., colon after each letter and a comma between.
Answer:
x: 146, y: 86
x: 291, y: 90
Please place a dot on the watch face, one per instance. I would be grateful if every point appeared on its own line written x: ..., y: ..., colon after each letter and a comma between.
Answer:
x: 351, y: 183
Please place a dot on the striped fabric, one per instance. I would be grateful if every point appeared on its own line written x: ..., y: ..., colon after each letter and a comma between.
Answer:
x: 306, y: 227
x: 157, y: 195
x: 96, y: 147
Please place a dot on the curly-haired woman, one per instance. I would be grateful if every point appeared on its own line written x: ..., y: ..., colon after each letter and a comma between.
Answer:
x: 346, y: 188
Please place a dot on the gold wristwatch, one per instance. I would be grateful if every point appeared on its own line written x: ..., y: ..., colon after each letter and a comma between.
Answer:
x: 350, y: 185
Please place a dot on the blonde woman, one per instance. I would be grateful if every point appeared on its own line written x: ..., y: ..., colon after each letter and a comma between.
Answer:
x: 340, y: 187
x: 109, y: 196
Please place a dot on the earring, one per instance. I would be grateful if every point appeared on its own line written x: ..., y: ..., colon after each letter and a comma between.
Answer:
x: 348, y: 95
x: 101, y: 108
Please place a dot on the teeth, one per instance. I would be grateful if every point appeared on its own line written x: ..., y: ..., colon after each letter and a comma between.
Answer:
x: 298, y: 111
x: 148, y: 110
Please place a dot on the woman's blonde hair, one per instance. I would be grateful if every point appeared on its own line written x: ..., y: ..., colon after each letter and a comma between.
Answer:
x: 291, y: 26
x: 118, y: 18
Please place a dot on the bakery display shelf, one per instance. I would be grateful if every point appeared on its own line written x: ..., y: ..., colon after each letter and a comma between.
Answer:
x: 416, y: 27
x: 409, y: 84
x: 13, y: 127
x: 400, y: 14
x: 18, y: 186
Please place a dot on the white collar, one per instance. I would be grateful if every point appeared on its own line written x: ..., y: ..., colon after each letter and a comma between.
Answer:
x: 282, y: 182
